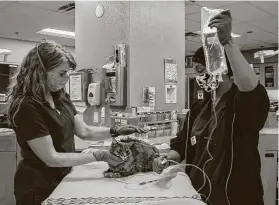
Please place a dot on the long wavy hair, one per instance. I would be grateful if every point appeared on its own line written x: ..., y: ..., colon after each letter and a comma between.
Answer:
x: 31, y: 80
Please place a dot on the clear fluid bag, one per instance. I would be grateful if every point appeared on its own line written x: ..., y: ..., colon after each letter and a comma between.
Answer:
x: 213, y: 50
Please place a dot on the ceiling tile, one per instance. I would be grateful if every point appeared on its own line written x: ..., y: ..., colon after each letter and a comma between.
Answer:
x: 195, y: 17
x: 216, y: 4
x: 191, y: 46
x: 193, y: 38
x: 268, y: 6
x: 28, y: 20
x: 244, y: 40
x: 246, y: 12
x: 265, y: 37
x: 50, y: 5
x: 247, y: 47
x: 192, y: 25
x: 267, y: 24
x: 191, y: 9
x: 39, y: 38
x: 243, y: 28
x: 255, y: 46
x: 258, y: 34
x: 19, y: 14
x: 4, y: 4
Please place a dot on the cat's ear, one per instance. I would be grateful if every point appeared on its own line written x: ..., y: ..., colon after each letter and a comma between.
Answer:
x: 114, y: 141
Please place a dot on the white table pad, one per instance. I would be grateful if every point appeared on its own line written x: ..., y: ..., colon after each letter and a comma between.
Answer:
x: 86, y: 185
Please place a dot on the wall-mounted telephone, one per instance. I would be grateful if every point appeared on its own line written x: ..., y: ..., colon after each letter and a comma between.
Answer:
x: 116, y: 79
x: 87, y: 87
x: 116, y: 88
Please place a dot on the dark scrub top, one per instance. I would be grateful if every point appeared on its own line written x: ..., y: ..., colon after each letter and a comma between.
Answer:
x: 248, y: 111
x: 35, y: 120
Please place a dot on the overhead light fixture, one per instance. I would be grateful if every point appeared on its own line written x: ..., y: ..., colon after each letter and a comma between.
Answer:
x: 55, y: 32
x: 233, y: 34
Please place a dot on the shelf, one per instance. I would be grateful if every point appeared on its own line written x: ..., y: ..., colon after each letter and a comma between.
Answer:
x: 9, y: 63
x: 137, y: 117
x: 160, y: 122
x: 125, y: 118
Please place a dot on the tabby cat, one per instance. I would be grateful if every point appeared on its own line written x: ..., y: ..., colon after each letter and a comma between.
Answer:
x: 137, y: 155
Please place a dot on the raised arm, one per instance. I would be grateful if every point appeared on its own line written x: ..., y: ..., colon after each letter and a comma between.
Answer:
x: 244, y: 76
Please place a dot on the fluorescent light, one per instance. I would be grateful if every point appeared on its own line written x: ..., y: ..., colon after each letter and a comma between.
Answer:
x: 233, y: 34
x: 55, y: 32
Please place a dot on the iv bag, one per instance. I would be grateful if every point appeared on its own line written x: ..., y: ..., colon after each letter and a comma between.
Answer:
x: 213, y: 50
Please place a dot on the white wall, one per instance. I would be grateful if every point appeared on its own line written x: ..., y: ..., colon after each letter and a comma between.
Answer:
x: 157, y: 31
x: 151, y: 30
x: 95, y: 37
x: 20, y: 48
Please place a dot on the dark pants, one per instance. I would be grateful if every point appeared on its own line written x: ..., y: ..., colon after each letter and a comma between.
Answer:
x: 218, y: 195
x: 243, y: 197
x: 33, y: 184
x: 33, y: 197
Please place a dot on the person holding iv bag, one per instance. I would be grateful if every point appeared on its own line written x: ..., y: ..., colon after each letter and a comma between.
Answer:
x: 221, y: 136
x: 45, y: 122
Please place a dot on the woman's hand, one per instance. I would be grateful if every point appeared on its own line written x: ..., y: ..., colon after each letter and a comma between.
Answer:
x: 106, y: 156
x: 126, y: 130
x: 223, y: 24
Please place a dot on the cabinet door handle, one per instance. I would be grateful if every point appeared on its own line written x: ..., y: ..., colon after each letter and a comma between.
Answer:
x: 269, y: 155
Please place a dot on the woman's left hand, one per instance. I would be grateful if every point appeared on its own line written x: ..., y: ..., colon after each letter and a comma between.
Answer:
x: 126, y: 130
x: 223, y: 23
x: 106, y: 156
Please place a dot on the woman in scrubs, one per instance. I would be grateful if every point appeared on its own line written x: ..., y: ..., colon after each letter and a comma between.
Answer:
x: 45, y: 122
x: 221, y: 136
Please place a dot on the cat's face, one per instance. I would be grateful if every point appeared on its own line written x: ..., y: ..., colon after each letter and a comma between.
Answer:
x: 120, y: 149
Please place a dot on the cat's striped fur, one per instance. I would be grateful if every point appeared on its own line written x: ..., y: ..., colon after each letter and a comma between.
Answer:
x: 138, y: 156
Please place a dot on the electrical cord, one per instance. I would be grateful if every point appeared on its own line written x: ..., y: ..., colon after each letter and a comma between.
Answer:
x: 142, y: 185
x: 202, y: 170
x: 232, y: 146
x: 231, y: 161
x: 213, y: 98
x: 204, y: 174
x: 187, y: 136
x: 216, y: 124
